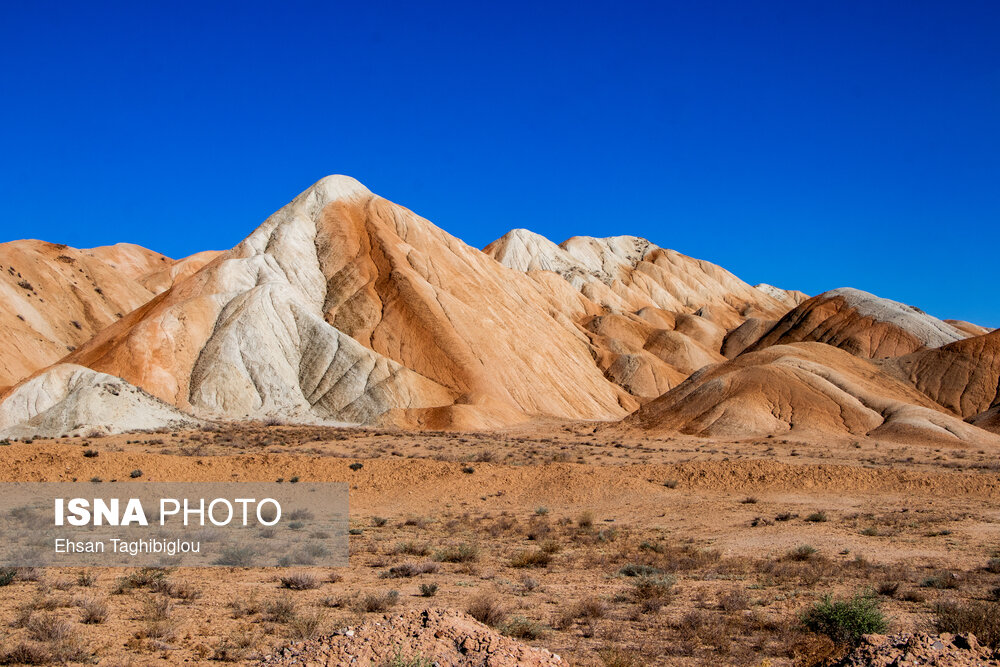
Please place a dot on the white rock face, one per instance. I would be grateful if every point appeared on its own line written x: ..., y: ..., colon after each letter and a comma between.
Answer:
x: 928, y: 329
x: 67, y: 399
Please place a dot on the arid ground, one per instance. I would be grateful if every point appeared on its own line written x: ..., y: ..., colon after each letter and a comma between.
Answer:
x: 603, y: 549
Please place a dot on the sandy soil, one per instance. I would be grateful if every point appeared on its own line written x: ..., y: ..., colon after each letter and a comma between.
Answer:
x: 545, y: 524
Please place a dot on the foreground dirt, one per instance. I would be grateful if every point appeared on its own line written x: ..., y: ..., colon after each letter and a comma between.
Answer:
x: 921, y: 649
x: 444, y: 637
x: 605, y: 551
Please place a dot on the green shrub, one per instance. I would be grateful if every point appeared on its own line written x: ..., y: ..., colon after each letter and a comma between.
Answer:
x: 7, y: 575
x: 844, y: 621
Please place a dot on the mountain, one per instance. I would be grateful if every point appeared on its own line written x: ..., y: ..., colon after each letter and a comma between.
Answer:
x: 862, y: 324
x: 344, y: 306
x: 801, y: 388
x: 661, y: 315
x: 55, y: 298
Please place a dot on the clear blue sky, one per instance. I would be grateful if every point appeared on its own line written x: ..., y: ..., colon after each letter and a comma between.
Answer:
x: 807, y: 144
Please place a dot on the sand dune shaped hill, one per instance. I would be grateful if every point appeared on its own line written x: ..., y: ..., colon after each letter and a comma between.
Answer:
x: 861, y: 323
x: 808, y: 388
x: 963, y: 376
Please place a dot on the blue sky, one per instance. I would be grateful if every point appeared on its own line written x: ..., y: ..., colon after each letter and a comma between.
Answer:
x: 807, y: 144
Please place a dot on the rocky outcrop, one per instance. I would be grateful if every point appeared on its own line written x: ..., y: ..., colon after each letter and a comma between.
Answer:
x: 67, y: 400
x: 945, y: 650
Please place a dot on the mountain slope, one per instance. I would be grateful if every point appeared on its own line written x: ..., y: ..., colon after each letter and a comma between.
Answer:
x: 54, y: 298
x: 627, y: 274
x: 862, y: 324
x: 68, y: 400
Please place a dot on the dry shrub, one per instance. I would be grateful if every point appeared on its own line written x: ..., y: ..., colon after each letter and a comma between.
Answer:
x: 245, y: 606
x: 536, y: 558
x: 280, y: 610
x: 521, y: 627
x: 144, y: 578
x: 614, y: 656
x: 306, y: 626
x: 487, y: 609
x: 94, y: 610
x: 180, y: 591
x: 734, y: 600
x: 299, y: 581
x: 407, y: 570
x: 49, y: 628
x: 237, y: 646
x: 980, y: 618
x: 412, y: 548
x: 461, y: 553
x: 378, y: 602
x: 26, y: 653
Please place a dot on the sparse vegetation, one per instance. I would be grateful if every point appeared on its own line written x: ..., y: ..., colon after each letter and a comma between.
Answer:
x: 93, y: 610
